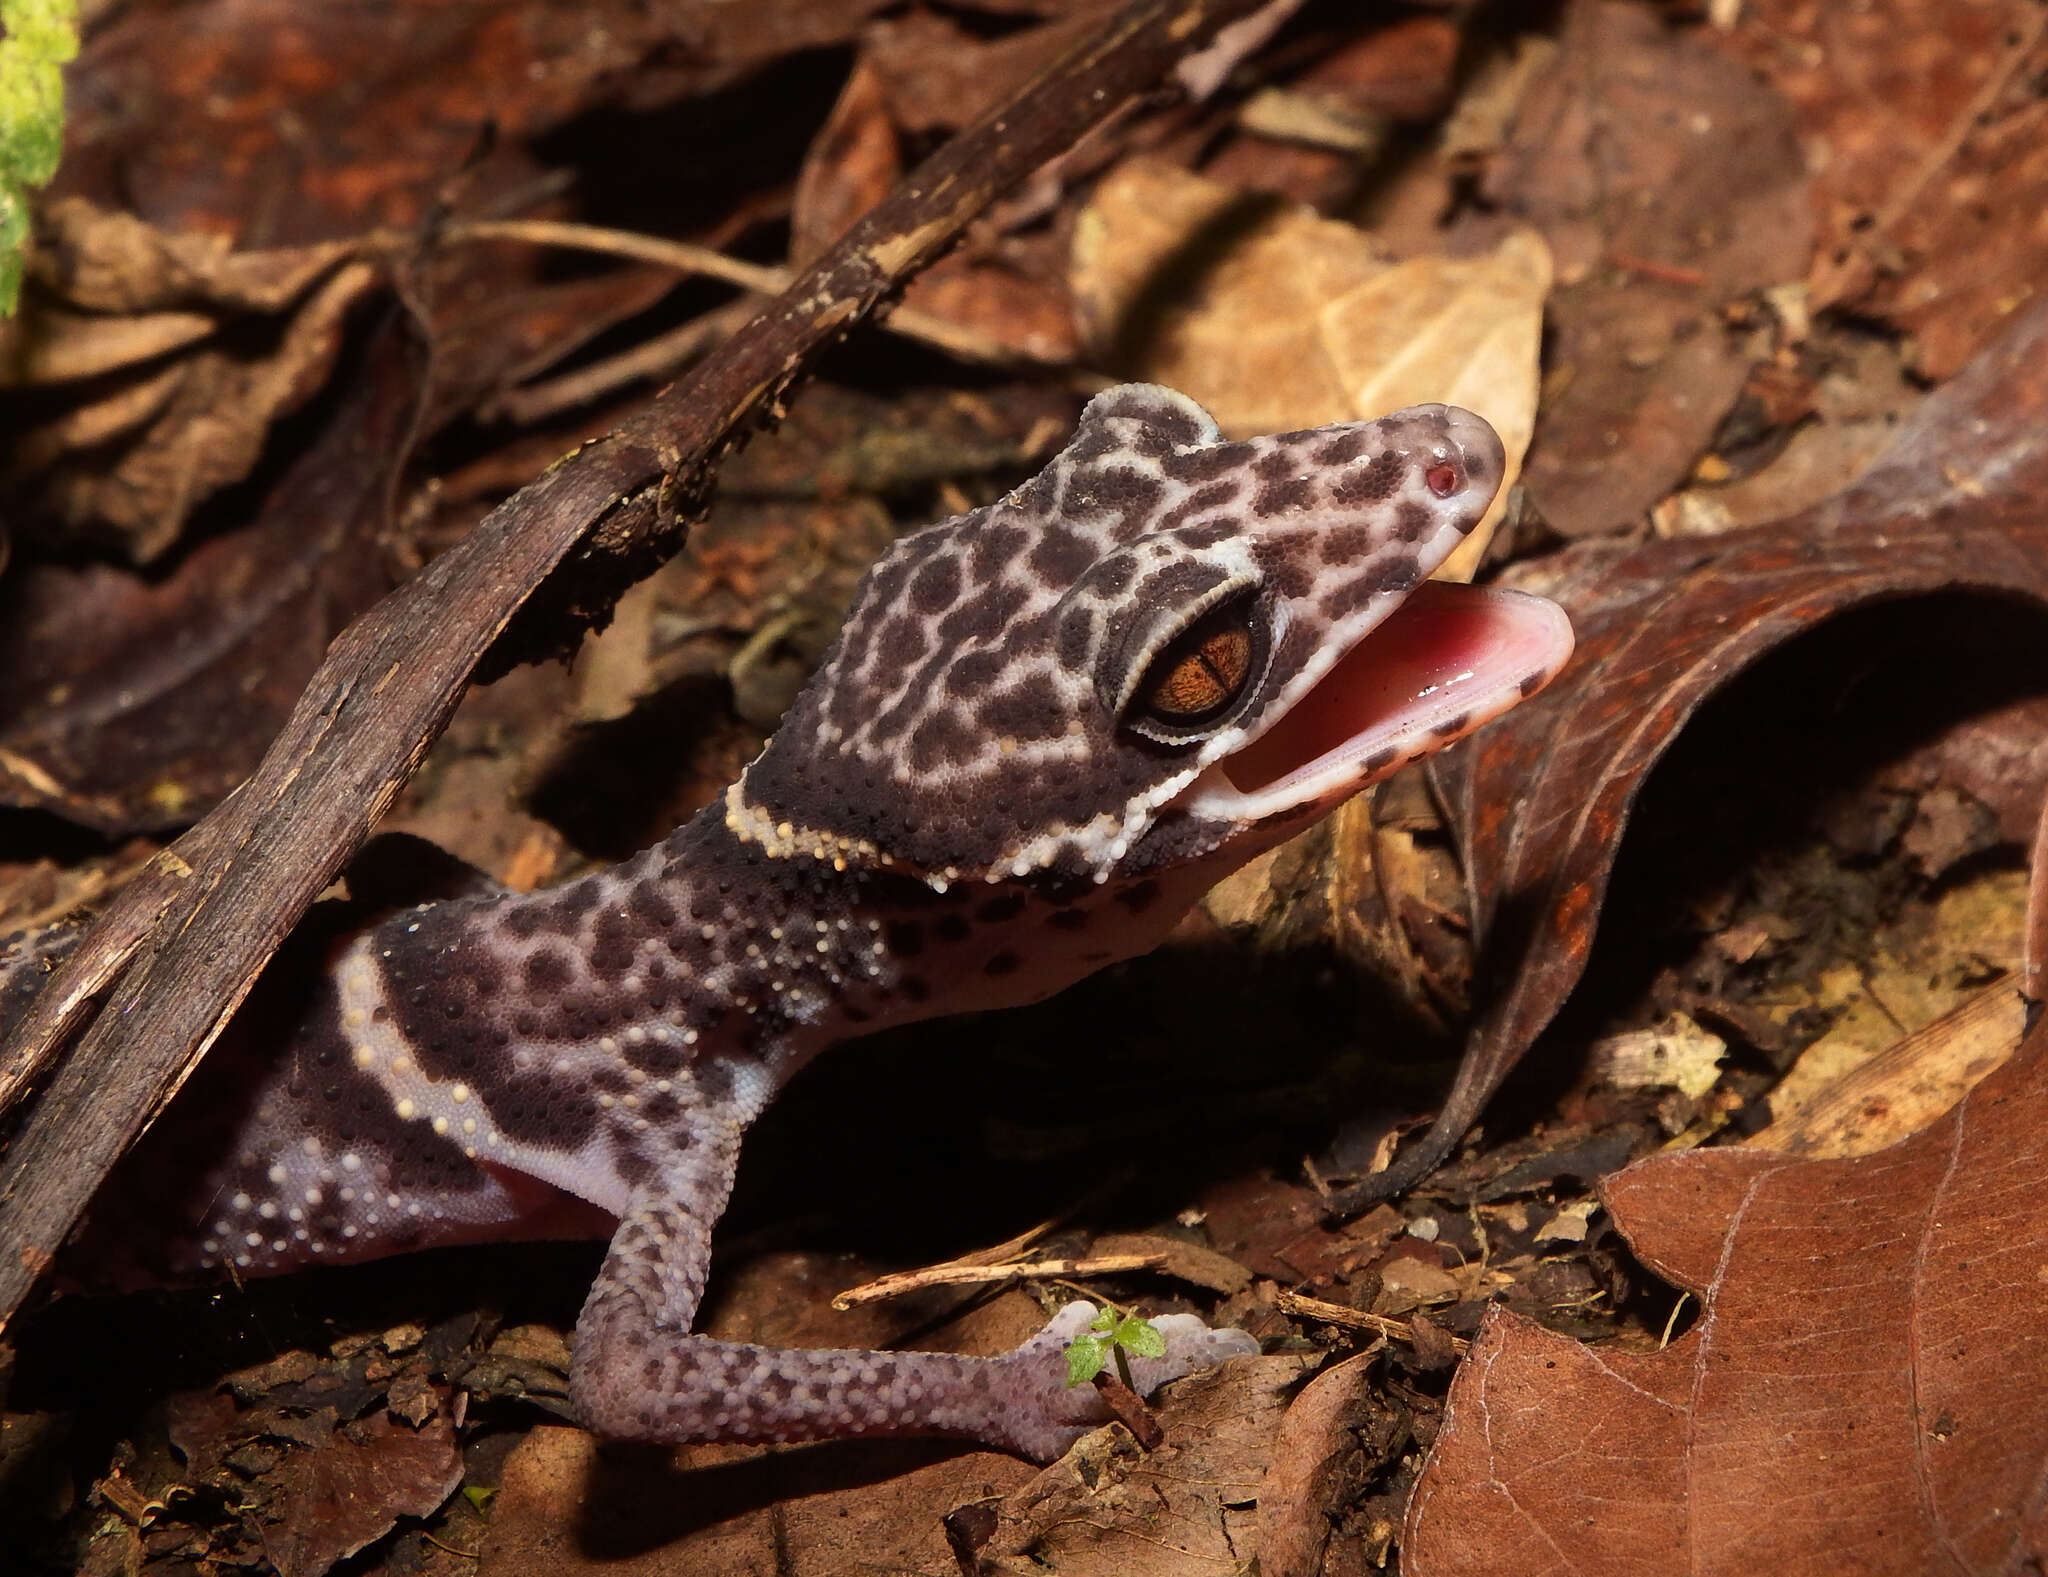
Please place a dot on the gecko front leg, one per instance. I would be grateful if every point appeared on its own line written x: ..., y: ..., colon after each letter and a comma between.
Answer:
x: 640, y: 1374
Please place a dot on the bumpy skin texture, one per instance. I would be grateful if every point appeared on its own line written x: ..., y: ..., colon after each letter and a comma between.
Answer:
x: 960, y: 812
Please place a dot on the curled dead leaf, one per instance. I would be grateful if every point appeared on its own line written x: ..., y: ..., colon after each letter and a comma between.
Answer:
x: 1864, y: 1390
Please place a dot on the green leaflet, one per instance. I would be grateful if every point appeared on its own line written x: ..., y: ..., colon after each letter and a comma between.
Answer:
x: 36, y: 38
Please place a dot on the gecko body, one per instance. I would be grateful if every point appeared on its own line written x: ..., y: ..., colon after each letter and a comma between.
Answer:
x: 1045, y: 730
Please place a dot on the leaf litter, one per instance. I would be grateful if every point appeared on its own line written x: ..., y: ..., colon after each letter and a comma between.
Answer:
x: 1662, y: 211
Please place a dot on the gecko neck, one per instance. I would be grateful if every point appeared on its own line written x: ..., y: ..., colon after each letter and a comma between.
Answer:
x: 707, y: 960
x: 782, y: 956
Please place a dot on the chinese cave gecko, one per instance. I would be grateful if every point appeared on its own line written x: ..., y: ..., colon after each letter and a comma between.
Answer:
x: 1045, y: 730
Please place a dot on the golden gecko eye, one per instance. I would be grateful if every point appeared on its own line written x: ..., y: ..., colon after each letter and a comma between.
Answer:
x: 1201, y: 674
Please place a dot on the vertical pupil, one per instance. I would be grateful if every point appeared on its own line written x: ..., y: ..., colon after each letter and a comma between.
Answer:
x: 1205, y: 669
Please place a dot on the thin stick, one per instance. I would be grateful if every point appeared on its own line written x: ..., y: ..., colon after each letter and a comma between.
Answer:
x: 958, y: 1274
x: 1307, y: 1308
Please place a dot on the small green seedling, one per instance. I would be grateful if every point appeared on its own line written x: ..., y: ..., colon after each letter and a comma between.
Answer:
x: 1112, y: 1334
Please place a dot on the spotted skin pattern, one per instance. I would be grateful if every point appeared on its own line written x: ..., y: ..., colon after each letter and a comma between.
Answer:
x: 960, y: 812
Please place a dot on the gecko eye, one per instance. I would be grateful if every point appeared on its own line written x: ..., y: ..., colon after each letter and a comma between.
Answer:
x: 1199, y: 677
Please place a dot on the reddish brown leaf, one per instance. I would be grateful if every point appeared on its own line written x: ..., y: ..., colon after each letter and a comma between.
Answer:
x: 353, y: 1488
x: 852, y: 162
x: 1541, y: 799
x: 1932, y: 117
x: 1669, y: 185
x: 129, y: 702
x: 937, y: 76
x: 276, y: 121
x: 1865, y: 1390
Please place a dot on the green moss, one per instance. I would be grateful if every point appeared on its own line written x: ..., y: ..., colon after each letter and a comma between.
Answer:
x: 36, y: 38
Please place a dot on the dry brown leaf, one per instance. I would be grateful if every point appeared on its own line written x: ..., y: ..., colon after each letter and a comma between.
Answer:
x: 1929, y: 117
x: 1466, y: 331
x: 1904, y: 1087
x: 112, y: 293
x: 1277, y: 319
x: 567, y: 1508
x: 1217, y: 292
x: 136, y: 701
x: 855, y: 158
x: 1670, y: 186
x: 1309, y: 1466
x: 1107, y: 1510
x: 1865, y: 1390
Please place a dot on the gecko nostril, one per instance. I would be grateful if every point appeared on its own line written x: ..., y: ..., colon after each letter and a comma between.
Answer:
x: 1441, y: 480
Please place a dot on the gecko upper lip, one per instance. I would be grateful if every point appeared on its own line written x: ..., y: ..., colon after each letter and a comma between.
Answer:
x: 1450, y: 658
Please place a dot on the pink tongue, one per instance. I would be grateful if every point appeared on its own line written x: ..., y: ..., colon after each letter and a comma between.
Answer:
x: 1442, y: 634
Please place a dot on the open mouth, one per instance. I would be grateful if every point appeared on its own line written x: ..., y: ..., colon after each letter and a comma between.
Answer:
x: 1450, y: 658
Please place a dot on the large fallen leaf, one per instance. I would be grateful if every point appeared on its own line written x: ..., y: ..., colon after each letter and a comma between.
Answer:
x: 1540, y: 800
x: 1670, y: 186
x: 1865, y: 1390
x: 1932, y: 116
x: 132, y: 702
x: 316, y: 1484
x: 130, y: 439
x: 1462, y: 330
x: 1276, y: 318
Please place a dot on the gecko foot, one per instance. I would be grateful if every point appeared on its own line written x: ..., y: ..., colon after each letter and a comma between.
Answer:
x: 1043, y: 1415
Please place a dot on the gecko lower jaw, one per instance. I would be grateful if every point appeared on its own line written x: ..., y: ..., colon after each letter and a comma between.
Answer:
x: 1448, y: 660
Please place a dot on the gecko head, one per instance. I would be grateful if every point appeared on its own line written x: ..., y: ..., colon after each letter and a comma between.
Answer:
x: 1164, y: 648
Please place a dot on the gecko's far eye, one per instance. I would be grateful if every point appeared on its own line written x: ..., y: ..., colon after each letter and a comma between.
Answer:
x: 1199, y: 676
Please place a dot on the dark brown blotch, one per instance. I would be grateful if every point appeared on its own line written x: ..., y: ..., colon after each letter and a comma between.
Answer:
x: 548, y: 971
x: 1284, y: 497
x: 1372, y: 483
x: 936, y: 586
x: 973, y: 672
x: 1140, y: 897
x: 993, y: 546
x: 1061, y: 556
x: 1203, y: 501
x: 996, y: 910
x: 614, y: 942
x: 1344, y: 447
x: 942, y: 739
x: 652, y: 907
x: 1076, y: 638
x: 982, y: 617
x: 1204, y: 465
x: 903, y: 642
x: 1030, y: 709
